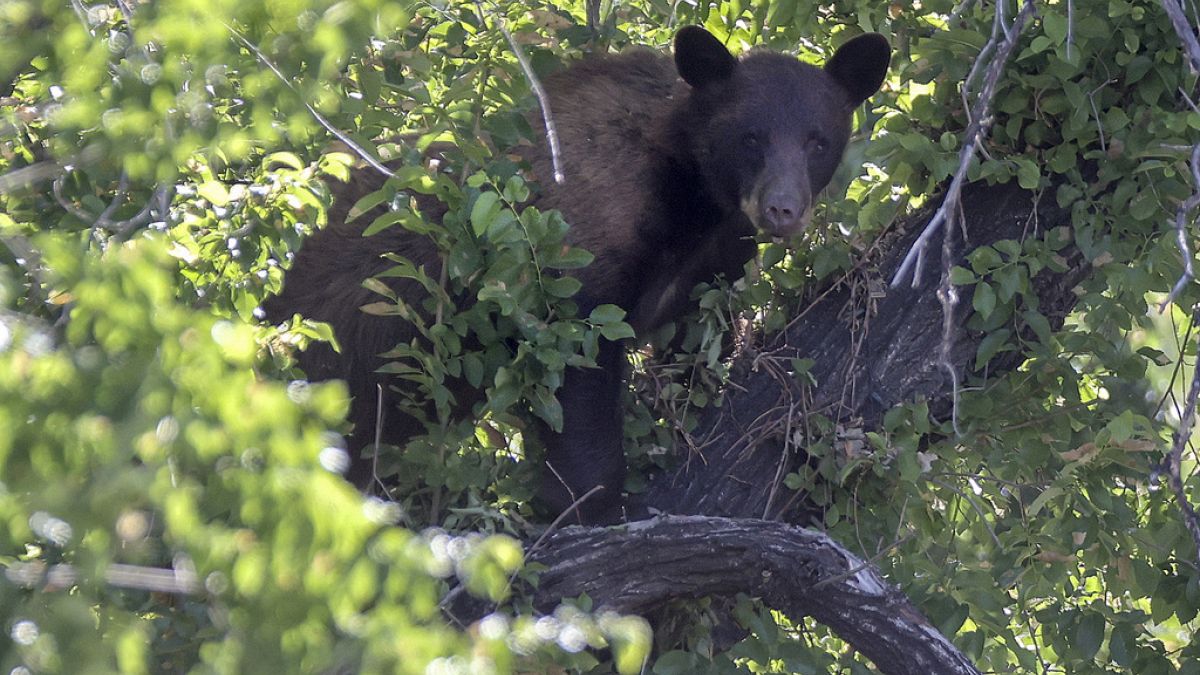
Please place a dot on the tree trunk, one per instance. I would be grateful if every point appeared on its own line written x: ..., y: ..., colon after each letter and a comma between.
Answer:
x: 870, y: 355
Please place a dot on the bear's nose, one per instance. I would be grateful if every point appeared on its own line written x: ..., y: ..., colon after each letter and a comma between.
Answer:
x: 783, y: 214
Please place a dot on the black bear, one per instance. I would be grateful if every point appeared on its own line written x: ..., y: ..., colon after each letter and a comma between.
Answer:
x: 670, y: 171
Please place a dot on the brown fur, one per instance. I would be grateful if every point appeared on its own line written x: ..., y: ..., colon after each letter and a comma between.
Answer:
x: 657, y: 174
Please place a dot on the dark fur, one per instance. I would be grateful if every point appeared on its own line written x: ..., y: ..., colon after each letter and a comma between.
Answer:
x: 666, y: 182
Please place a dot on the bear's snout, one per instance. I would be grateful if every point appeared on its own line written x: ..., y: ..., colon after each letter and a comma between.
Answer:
x: 785, y: 211
x: 779, y: 203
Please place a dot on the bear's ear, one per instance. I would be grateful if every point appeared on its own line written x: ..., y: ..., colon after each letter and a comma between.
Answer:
x: 860, y: 65
x: 700, y: 58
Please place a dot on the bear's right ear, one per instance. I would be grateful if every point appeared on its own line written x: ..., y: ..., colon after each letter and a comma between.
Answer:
x: 700, y: 58
x: 860, y: 65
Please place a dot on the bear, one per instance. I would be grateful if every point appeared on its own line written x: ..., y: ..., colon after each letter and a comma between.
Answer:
x: 672, y: 169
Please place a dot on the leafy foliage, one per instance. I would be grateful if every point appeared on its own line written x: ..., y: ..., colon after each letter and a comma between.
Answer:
x: 163, y: 161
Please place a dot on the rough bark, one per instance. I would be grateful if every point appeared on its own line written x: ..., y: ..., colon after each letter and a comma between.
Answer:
x: 638, y: 568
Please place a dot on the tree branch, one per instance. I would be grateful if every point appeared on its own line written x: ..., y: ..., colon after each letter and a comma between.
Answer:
x: 641, y: 567
x: 980, y: 120
x: 1174, y: 464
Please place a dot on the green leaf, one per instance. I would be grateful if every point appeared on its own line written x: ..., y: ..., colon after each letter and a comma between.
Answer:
x: 1055, y: 26
x: 562, y: 287
x: 214, y: 191
x: 289, y: 159
x: 772, y: 254
x: 502, y: 227
x: 1159, y: 358
x: 606, y: 314
x: 984, y: 299
x: 984, y: 259
x: 910, y: 469
x: 992, y: 344
x: 384, y: 221
x: 961, y: 276
x: 1028, y: 174
x: 546, y: 406
x: 515, y: 190
x: 485, y: 209
x: 1008, y: 280
x: 631, y: 639
x: 473, y: 369
x: 1119, y: 644
x: 617, y: 331
x: 1143, y: 206
x: 369, y: 202
x: 1039, y: 324
x: 1120, y: 428
x: 376, y: 286
x: 571, y: 257
x: 1089, y: 634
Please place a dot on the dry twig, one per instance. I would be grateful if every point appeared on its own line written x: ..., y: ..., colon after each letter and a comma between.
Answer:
x: 1175, y: 459
x: 543, y: 101
x: 321, y: 119
x: 980, y: 121
x: 998, y: 48
x: 1191, y: 47
x: 63, y: 577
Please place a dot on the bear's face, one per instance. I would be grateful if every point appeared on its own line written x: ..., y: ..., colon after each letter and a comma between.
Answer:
x: 769, y: 131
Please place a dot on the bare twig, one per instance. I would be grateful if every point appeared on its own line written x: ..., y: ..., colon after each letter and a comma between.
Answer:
x: 122, y: 228
x: 980, y: 121
x: 1175, y: 459
x: 1191, y: 46
x: 181, y: 579
x: 27, y: 256
x: 562, y: 516
x: 948, y: 297
x: 593, y: 16
x: 1187, y: 35
x: 963, y: 7
x: 60, y: 197
x: 378, y: 438
x: 543, y: 101
x: 337, y: 133
x: 25, y: 176
x: 1070, y: 28
x: 1096, y: 113
x: 1181, y: 235
x: 104, y: 219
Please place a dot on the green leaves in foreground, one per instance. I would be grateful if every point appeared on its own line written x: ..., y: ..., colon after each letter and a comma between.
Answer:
x: 147, y: 439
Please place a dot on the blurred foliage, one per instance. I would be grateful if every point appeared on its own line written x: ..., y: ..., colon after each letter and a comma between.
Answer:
x: 161, y: 162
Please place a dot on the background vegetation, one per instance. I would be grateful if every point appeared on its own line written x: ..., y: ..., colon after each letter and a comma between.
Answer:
x: 170, y: 496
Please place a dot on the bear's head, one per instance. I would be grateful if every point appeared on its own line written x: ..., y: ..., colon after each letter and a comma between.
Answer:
x: 767, y: 131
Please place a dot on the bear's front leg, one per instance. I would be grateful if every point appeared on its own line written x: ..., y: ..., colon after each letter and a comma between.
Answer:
x: 588, y: 453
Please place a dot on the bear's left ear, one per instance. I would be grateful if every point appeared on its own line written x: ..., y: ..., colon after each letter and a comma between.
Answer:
x: 700, y: 58
x: 860, y: 65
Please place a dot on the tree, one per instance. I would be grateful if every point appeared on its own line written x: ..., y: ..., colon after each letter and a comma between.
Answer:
x: 980, y: 438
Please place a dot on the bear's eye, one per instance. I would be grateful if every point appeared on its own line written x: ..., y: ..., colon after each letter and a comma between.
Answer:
x: 751, y: 140
x: 817, y: 144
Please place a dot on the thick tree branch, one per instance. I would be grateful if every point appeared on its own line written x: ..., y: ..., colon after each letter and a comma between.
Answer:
x: 800, y: 572
x: 870, y: 354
